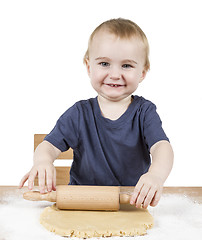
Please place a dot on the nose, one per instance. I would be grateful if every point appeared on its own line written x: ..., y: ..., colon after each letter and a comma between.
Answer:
x: 115, y: 73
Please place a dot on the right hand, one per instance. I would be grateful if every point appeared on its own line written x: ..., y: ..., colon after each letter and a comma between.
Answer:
x: 46, y: 173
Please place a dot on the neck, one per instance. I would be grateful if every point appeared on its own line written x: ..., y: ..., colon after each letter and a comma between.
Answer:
x: 113, y: 109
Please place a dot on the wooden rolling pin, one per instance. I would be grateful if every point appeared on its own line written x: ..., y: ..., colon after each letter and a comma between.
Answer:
x: 83, y: 197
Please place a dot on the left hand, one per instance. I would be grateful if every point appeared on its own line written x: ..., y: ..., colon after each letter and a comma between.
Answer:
x: 147, y: 191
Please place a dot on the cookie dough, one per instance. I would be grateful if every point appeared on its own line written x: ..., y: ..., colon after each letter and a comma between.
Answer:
x: 128, y: 221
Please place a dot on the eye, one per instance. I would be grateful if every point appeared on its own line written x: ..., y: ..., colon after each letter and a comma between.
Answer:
x: 127, y: 66
x: 104, y: 64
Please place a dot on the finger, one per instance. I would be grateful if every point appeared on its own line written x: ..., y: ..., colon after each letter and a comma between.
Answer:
x: 134, y: 196
x: 149, y: 197
x: 41, y: 178
x: 23, y: 180
x: 143, y: 193
x: 54, y: 179
x: 49, y: 179
x: 31, y: 178
x: 136, y: 193
x: 156, y: 198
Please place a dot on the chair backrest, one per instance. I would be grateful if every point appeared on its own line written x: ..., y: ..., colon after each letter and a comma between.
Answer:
x: 62, y: 173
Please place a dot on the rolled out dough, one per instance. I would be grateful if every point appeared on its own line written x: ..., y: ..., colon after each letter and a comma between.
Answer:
x: 128, y: 221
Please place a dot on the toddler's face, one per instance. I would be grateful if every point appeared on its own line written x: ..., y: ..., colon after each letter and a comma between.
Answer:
x: 115, y: 66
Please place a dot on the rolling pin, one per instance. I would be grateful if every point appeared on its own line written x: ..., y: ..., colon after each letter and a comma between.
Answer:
x: 83, y: 197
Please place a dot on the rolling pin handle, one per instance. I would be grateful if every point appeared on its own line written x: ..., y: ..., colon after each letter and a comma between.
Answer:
x: 37, y: 196
x: 125, y: 198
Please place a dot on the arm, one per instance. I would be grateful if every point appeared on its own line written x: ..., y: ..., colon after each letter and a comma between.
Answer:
x: 162, y: 159
x: 44, y: 156
x: 150, y: 185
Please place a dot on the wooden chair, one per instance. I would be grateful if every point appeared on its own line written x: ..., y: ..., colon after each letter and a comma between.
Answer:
x: 62, y: 173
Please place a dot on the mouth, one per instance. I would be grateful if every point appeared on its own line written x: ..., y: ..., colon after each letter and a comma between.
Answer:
x: 115, y: 85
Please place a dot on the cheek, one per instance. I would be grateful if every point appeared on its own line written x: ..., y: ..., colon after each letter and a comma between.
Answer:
x: 95, y: 79
x: 133, y: 80
x: 97, y: 75
x: 135, y: 76
x: 132, y: 77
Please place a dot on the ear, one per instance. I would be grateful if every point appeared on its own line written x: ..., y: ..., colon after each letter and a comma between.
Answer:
x: 144, y: 73
x: 87, y: 66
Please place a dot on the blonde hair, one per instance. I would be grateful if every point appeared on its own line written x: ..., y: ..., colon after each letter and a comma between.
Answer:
x: 122, y: 28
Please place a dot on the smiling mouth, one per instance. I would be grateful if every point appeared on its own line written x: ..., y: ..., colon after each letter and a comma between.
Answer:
x: 115, y: 85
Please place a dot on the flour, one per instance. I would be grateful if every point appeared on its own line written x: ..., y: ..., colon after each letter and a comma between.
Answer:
x: 175, y: 218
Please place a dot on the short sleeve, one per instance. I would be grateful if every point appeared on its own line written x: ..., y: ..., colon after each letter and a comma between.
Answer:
x: 152, y: 126
x: 65, y: 134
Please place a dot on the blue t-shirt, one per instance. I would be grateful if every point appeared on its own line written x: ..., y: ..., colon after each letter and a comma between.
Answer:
x: 108, y: 152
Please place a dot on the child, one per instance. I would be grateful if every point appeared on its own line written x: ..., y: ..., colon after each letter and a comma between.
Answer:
x: 113, y: 134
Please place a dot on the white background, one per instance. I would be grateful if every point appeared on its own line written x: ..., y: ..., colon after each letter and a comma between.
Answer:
x: 42, y: 44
